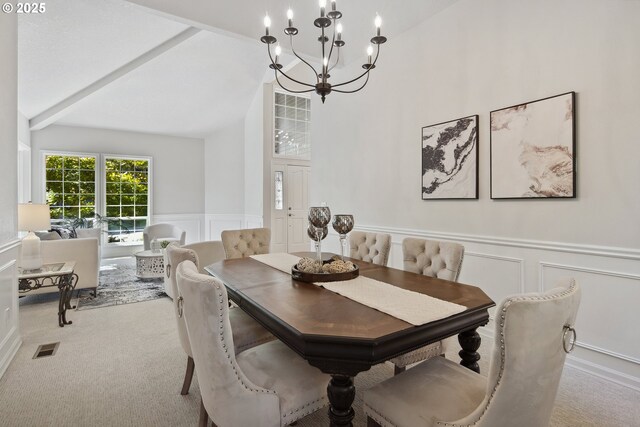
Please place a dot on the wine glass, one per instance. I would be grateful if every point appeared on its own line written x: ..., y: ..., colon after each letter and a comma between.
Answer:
x: 343, y: 224
x: 312, y: 232
x: 319, y: 217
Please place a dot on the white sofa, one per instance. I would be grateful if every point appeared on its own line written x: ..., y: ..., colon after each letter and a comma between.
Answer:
x: 84, y: 250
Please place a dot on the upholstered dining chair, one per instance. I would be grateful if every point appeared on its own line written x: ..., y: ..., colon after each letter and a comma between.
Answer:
x: 435, y: 259
x: 247, y: 242
x: 533, y: 335
x: 208, y: 252
x: 268, y: 385
x: 370, y: 247
x: 162, y: 232
x: 246, y: 331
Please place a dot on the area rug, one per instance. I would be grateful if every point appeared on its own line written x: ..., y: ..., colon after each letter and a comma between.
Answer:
x: 119, y: 285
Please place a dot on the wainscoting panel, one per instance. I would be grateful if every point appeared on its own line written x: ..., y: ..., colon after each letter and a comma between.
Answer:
x: 498, y: 276
x: 253, y: 221
x: 193, y: 224
x: 9, y: 332
x: 614, y: 331
x: 217, y: 223
x: 609, y: 277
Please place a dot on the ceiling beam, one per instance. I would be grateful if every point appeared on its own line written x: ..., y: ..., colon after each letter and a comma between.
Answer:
x: 52, y: 114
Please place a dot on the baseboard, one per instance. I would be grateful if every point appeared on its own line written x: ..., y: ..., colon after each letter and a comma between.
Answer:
x: 603, y: 372
x: 9, y: 347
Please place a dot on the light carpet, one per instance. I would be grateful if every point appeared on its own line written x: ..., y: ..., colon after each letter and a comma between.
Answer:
x: 123, y: 366
x: 120, y: 285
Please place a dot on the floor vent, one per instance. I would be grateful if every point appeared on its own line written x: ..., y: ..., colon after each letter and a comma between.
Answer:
x: 46, y: 350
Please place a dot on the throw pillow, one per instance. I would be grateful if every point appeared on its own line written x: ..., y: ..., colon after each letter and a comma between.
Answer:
x: 65, y: 232
x: 48, y: 235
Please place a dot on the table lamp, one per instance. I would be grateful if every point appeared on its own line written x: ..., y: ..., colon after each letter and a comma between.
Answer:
x: 32, y: 217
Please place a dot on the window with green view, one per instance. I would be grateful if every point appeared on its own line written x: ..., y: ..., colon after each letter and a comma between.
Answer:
x: 126, y: 198
x: 70, y: 183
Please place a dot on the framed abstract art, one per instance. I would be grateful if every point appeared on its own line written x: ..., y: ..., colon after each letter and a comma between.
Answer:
x: 450, y: 159
x: 533, y: 149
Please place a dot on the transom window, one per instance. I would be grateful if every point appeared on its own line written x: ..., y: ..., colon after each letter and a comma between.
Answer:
x: 292, y: 126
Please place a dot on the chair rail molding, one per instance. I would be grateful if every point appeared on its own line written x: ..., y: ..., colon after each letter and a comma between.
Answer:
x: 504, y: 266
x: 608, y: 251
x: 10, y: 340
x: 10, y: 245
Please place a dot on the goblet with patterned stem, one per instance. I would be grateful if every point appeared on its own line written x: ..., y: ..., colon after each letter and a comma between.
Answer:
x: 312, y: 232
x: 343, y: 224
x: 319, y: 217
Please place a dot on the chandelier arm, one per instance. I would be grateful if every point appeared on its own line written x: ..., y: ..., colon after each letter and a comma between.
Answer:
x: 333, y: 40
x: 337, y: 60
x: 361, y: 75
x: 356, y: 90
x: 289, y: 90
x: 277, y: 70
x: 324, y: 69
x: 315, y: 73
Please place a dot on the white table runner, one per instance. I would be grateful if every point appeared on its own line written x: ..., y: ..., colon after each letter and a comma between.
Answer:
x: 412, y: 307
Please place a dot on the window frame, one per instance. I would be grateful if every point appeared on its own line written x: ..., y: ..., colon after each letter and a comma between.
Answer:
x: 277, y: 90
x: 100, y: 182
x: 103, y: 206
x: 43, y: 171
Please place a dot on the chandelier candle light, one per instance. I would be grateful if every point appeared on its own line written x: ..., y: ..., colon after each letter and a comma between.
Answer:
x: 322, y: 86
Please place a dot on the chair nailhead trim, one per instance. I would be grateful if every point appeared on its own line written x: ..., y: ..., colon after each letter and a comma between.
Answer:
x: 232, y: 362
x: 507, y: 303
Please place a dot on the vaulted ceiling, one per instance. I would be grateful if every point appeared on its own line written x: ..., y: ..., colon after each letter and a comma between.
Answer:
x: 178, y: 68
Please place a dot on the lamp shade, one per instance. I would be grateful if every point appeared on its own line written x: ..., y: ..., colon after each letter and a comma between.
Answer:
x: 33, y: 217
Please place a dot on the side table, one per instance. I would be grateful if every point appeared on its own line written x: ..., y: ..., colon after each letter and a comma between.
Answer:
x: 150, y: 264
x: 55, y: 274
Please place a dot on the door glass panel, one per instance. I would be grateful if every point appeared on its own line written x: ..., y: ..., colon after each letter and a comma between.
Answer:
x: 279, y: 204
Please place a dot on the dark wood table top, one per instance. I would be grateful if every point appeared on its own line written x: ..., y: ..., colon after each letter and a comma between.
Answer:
x: 335, y: 333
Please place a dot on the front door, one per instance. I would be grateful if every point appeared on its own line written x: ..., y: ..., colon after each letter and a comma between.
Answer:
x: 289, y: 212
x: 297, y: 208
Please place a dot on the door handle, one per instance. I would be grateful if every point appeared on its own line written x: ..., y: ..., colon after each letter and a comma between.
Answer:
x: 290, y: 214
x: 289, y: 207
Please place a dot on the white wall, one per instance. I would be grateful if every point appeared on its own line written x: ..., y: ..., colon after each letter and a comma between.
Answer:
x: 224, y: 180
x: 9, y: 244
x: 472, y: 58
x: 178, y: 171
x: 253, y: 152
x: 24, y: 159
x: 178, y: 166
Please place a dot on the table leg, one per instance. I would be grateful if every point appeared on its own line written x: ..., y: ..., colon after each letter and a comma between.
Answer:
x: 65, y: 285
x: 341, y: 392
x: 470, y: 343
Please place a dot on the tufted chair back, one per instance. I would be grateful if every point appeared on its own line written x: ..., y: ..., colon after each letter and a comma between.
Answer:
x: 228, y: 395
x: 370, y: 247
x: 175, y: 255
x: 433, y: 258
x: 163, y: 231
x: 243, y: 243
x: 532, y: 331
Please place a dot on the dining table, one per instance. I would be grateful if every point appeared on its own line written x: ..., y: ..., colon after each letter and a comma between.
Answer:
x: 342, y: 337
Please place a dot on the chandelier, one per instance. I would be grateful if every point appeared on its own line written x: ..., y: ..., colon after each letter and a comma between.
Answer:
x: 322, y: 86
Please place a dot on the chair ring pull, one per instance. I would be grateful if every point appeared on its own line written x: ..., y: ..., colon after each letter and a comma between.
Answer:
x: 569, y: 345
x: 168, y: 270
x: 180, y: 304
